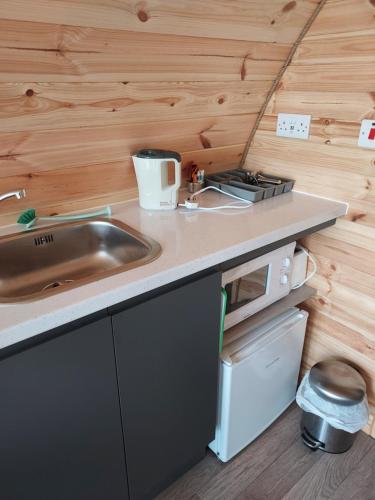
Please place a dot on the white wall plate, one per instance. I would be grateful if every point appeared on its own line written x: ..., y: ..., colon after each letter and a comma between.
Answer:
x: 366, y: 137
x: 295, y: 126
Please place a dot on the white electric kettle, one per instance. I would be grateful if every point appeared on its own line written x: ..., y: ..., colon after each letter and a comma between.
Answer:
x: 151, y: 169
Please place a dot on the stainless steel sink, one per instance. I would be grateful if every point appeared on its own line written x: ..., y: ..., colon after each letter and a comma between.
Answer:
x: 38, y: 263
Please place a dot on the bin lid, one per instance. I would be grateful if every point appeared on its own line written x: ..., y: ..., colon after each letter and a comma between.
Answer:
x: 337, y: 382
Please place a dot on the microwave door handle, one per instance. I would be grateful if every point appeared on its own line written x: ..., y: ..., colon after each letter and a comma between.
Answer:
x: 269, y: 279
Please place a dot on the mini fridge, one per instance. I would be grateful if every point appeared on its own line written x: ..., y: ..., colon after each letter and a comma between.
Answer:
x: 259, y: 369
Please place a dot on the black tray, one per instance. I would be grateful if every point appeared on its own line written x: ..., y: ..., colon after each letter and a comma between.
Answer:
x: 236, y: 181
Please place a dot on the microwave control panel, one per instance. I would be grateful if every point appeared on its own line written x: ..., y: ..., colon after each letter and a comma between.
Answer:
x: 286, y: 268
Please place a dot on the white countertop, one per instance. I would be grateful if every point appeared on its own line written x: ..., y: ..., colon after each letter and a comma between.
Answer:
x: 191, y: 242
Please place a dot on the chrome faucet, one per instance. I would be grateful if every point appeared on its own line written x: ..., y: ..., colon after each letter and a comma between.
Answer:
x: 20, y: 193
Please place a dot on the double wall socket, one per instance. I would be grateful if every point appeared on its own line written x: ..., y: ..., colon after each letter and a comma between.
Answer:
x: 298, y: 127
x: 295, y: 126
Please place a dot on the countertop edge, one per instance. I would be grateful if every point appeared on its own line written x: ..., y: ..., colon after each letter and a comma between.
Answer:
x: 37, y: 325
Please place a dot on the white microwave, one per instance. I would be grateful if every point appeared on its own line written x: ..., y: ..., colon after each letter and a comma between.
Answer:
x: 256, y: 284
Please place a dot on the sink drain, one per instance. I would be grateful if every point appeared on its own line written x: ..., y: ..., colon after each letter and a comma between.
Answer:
x: 56, y: 284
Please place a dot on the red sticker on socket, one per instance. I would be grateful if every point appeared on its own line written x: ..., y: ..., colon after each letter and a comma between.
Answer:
x: 371, y: 135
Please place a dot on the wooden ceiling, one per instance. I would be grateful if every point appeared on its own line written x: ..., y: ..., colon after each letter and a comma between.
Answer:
x: 84, y: 84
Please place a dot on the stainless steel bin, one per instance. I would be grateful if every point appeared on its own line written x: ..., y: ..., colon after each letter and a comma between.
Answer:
x: 338, y: 383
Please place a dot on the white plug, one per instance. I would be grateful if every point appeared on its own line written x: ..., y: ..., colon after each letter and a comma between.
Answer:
x: 191, y: 204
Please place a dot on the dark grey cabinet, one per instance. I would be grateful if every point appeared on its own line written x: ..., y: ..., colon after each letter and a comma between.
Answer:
x: 60, y: 426
x: 167, y: 361
x: 116, y: 406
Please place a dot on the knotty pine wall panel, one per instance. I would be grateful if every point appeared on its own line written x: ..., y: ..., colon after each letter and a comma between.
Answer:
x: 51, y: 52
x: 267, y: 21
x: 332, y: 77
x: 85, y: 84
x: 43, y: 106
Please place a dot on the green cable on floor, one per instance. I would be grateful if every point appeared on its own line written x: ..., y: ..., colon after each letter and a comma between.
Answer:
x: 222, y: 319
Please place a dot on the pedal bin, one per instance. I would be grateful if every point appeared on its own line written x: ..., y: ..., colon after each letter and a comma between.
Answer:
x: 338, y: 383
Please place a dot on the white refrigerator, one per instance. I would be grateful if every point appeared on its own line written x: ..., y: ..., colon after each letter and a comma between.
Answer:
x: 259, y: 370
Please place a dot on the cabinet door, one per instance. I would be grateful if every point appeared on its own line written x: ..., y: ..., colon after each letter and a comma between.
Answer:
x: 60, y: 425
x: 167, y: 360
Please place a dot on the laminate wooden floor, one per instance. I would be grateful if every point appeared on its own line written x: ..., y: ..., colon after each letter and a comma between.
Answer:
x: 278, y: 466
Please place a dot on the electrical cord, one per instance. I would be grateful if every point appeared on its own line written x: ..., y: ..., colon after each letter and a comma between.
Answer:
x: 314, y: 270
x: 192, y: 203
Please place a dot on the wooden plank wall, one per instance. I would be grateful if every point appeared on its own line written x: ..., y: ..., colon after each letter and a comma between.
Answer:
x: 332, y: 77
x: 83, y: 84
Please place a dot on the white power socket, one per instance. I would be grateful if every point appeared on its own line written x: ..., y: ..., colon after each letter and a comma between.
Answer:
x: 366, y: 137
x: 295, y: 126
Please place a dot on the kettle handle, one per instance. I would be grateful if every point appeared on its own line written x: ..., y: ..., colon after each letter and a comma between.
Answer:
x: 177, y: 174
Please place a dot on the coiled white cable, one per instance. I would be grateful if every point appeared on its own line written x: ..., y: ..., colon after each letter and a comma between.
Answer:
x: 192, y: 204
x: 314, y: 270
